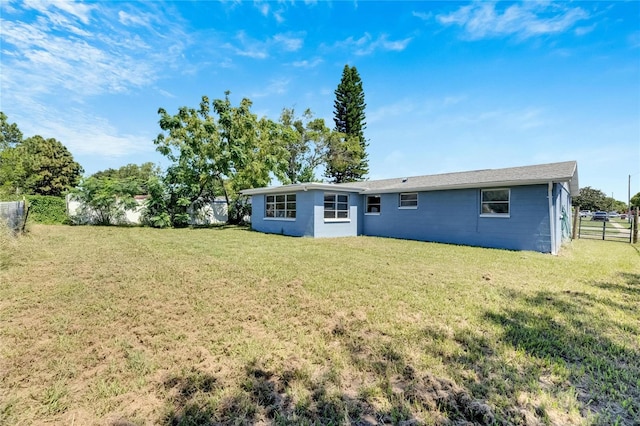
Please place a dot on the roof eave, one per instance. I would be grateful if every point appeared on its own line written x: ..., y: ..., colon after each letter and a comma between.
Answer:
x: 474, y: 185
x: 299, y: 187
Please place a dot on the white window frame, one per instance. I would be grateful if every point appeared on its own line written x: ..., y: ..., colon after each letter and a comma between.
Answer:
x: 368, y: 205
x: 336, y: 210
x: 501, y: 202
x: 287, y: 211
x: 407, y: 206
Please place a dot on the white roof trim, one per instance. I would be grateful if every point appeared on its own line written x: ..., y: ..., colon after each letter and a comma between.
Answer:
x: 300, y: 187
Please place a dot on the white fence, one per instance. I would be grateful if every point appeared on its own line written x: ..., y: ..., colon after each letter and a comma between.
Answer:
x: 213, y: 213
x: 14, y: 214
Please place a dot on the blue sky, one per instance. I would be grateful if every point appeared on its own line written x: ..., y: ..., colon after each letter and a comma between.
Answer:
x: 449, y: 86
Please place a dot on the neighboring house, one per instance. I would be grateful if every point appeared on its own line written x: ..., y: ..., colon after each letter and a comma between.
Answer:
x: 519, y: 208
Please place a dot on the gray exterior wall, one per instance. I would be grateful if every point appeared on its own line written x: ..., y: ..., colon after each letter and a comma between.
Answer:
x: 302, y: 226
x: 336, y: 228
x: 309, y: 221
x: 453, y: 216
x: 449, y: 216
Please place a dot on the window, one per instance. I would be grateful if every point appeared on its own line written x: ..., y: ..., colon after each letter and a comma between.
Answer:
x: 336, y: 206
x: 409, y: 200
x: 373, y: 204
x: 495, y: 202
x: 280, y: 206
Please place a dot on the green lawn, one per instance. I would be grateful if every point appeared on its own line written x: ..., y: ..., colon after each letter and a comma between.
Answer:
x: 228, y: 326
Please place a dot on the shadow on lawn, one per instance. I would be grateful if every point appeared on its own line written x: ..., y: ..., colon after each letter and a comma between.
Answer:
x: 563, y: 333
x: 567, y: 352
x: 264, y: 398
x: 630, y: 287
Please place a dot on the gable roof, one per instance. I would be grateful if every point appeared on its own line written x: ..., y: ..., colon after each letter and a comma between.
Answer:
x: 490, y: 178
x: 514, y: 176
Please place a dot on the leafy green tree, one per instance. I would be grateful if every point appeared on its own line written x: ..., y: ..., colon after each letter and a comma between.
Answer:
x: 104, y: 201
x: 156, y: 209
x: 11, y: 172
x: 347, y: 161
x: 635, y: 200
x: 591, y: 199
x: 139, y: 174
x: 306, y: 139
x: 10, y: 134
x: 39, y: 166
x: 611, y: 204
x: 217, y: 149
x: 10, y: 137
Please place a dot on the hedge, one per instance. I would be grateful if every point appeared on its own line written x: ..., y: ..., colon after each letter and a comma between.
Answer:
x: 47, y: 209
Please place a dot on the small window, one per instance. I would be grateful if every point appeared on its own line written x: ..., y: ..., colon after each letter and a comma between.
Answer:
x: 373, y: 204
x: 336, y: 206
x: 495, y: 202
x: 280, y: 206
x: 408, y: 200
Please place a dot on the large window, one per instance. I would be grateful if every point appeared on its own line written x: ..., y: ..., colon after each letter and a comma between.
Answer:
x: 336, y: 206
x: 281, y: 206
x: 373, y: 204
x: 495, y: 202
x: 408, y: 200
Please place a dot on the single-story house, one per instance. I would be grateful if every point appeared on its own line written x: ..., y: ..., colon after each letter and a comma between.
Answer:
x: 518, y: 208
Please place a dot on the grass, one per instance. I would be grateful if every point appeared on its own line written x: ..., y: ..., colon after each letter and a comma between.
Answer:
x: 140, y: 326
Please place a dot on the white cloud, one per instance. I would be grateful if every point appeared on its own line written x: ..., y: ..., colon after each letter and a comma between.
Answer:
x: 279, y: 16
x: 388, y: 112
x: 58, y: 57
x: 71, y: 10
x: 453, y: 99
x: 84, y: 133
x: 408, y: 107
x: 275, y: 87
x: 262, y: 7
x: 290, y: 43
x: 634, y: 39
x: 41, y: 59
x: 514, y: 120
x: 266, y: 9
x: 260, y: 49
x: 366, y: 45
x: 525, y: 20
x: 308, y: 64
x: 422, y: 15
x: 134, y: 20
x: 580, y: 31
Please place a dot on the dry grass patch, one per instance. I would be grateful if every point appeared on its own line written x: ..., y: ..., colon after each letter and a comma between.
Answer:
x: 227, y: 326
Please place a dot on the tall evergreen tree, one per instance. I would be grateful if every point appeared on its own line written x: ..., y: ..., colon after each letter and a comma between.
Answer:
x: 347, y: 157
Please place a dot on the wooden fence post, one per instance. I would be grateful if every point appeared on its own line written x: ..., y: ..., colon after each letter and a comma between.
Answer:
x: 576, y: 216
x: 634, y: 239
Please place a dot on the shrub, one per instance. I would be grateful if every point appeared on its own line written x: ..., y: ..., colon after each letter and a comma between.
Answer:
x: 47, y: 209
x: 103, y: 201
